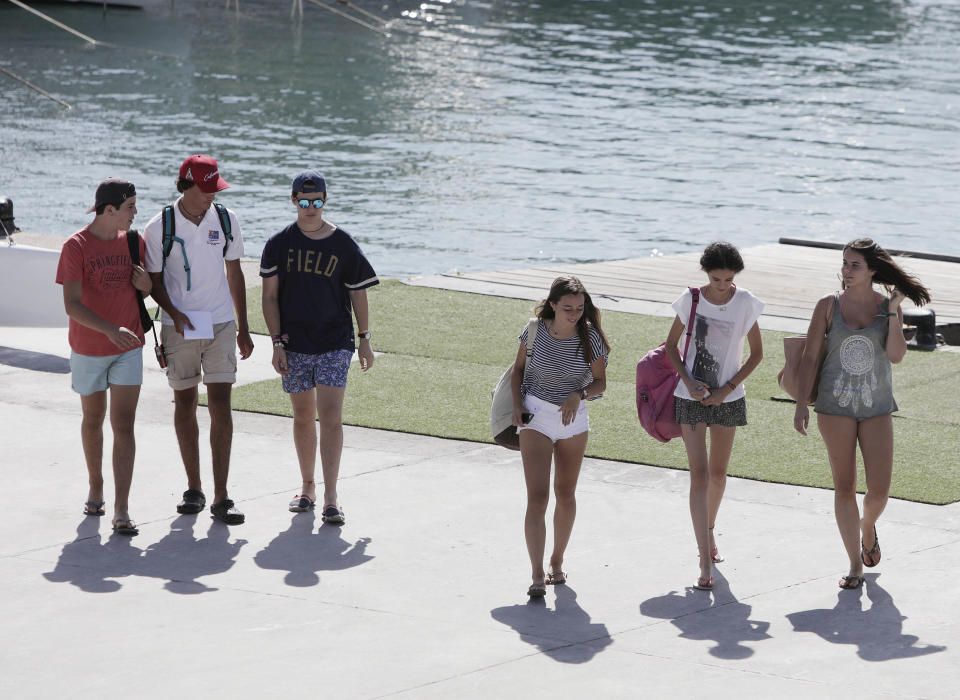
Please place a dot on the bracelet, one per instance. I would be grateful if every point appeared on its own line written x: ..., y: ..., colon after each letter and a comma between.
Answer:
x: 733, y: 387
x: 280, y: 341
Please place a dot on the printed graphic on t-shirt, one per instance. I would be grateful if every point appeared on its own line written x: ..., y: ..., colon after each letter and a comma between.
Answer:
x: 712, y: 337
x: 311, y: 262
x: 852, y: 385
x: 109, y: 272
x: 213, y: 237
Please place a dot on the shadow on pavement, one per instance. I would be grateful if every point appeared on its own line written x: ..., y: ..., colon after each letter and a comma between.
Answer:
x: 36, y: 361
x: 302, y: 552
x: 91, y: 564
x: 565, y: 633
x: 711, y: 616
x: 877, y: 631
x: 181, y: 558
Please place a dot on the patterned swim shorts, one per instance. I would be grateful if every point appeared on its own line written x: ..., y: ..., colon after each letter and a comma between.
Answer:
x: 308, y: 371
x: 728, y: 415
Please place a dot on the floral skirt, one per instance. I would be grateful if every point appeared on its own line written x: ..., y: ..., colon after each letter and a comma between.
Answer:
x: 729, y: 415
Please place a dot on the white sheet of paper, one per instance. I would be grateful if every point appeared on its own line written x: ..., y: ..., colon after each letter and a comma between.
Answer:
x: 202, y: 325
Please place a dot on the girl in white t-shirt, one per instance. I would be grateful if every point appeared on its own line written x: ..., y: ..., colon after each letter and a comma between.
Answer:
x: 710, y: 392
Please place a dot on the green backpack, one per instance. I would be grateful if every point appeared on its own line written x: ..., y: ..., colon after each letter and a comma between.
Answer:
x: 170, y: 236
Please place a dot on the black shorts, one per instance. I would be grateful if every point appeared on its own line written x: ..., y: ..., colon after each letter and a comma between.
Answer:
x: 730, y: 415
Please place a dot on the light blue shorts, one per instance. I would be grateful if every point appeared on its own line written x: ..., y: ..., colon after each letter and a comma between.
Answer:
x: 92, y: 373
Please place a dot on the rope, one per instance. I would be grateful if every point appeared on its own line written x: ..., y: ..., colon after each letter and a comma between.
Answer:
x: 34, y: 87
x: 335, y: 11
x: 54, y: 22
x: 362, y: 11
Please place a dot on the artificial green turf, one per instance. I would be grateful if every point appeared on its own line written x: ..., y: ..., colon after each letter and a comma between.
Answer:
x: 445, y: 350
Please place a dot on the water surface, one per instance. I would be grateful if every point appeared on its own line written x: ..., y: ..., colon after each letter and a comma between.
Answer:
x: 484, y: 135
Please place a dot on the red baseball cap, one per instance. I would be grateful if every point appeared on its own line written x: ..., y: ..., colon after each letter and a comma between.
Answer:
x: 204, y: 173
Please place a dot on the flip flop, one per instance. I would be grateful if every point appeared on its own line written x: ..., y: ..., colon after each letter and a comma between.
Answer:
x: 333, y: 515
x: 556, y: 578
x: 93, y: 508
x: 873, y: 552
x: 125, y: 526
x: 714, y: 552
x: 301, y: 504
x: 704, y: 583
x: 849, y: 583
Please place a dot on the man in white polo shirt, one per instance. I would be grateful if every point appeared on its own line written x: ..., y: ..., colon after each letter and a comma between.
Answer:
x: 193, y: 257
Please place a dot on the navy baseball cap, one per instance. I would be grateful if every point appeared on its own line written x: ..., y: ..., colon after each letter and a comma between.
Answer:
x: 113, y: 191
x: 309, y: 181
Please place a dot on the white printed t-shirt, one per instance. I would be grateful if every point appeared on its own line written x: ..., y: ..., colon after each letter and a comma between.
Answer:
x: 717, y: 343
x: 203, y: 244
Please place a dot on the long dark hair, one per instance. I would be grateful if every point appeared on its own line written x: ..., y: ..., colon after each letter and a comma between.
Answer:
x: 561, y: 287
x: 887, y: 272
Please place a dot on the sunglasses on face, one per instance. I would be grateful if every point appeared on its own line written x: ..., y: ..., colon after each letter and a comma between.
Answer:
x: 305, y: 203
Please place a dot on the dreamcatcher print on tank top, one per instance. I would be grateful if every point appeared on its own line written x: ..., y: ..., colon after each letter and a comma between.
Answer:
x: 857, y: 379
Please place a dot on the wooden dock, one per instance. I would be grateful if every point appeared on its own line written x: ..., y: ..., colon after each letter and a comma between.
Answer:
x: 789, y: 278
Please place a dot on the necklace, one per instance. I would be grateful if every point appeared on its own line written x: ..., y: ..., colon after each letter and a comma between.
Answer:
x: 186, y: 213
x: 556, y: 334
x: 323, y: 225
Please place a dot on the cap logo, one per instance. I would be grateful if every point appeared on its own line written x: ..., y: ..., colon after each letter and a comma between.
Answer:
x: 188, y: 175
x: 210, y: 176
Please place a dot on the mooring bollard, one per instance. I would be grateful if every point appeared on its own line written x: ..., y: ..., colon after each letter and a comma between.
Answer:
x: 8, y: 226
x: 925, y: 321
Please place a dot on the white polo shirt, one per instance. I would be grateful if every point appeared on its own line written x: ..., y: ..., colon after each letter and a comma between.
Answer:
x: 203, y: 246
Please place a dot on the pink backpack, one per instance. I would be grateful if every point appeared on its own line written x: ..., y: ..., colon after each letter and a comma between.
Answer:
x: 656, y: 382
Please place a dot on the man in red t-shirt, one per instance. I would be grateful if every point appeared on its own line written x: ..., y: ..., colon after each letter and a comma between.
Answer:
x: 100, y: 284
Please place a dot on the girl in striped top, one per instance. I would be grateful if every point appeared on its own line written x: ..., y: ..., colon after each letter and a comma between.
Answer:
x: 550, y: 389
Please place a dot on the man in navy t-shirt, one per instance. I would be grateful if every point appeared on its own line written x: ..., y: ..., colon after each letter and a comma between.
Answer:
x: 313, y: 274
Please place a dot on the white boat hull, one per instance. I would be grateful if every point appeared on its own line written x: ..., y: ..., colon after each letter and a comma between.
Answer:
x: 29, y: 294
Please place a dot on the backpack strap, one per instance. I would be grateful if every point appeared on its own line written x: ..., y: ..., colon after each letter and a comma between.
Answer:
x: 225, y: 226
x: 133, y: 245
x: 695, y: 293
x: 169, y: 238
x: 532, y: 326
x: 169, y: 230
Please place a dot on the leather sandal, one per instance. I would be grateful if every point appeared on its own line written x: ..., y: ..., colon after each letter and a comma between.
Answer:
x: 873, y: 552
x: 850, y: 583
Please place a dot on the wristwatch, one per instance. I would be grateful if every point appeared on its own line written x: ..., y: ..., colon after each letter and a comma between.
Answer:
x: 365, y: 335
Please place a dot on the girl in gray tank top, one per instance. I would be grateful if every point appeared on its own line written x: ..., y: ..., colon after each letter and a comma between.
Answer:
x: 856, y: 379
x: 855, y: 391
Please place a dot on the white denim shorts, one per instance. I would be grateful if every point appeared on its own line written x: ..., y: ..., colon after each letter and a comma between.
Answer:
x: 547, y: 419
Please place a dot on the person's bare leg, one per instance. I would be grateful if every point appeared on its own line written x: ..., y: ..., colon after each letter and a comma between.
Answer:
x: 94, y: 410
x: 695, y: 442
x: 568, y: 457
x: 304, y: 404
x: 123, y: 413
x: 876, y: 446
x: 840, y: 437
x: 330, y: 414
x: 721, y: 447
x: 221, y: 436
x: 188, y: 434
x: 536, y: 450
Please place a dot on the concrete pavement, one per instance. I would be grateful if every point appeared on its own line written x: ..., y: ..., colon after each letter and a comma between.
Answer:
x: 422, y: 593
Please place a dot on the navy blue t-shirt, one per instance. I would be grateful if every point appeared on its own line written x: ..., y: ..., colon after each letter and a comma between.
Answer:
x: 316, y: 278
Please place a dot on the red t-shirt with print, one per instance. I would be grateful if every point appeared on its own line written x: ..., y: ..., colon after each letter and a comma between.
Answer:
x: 104, y: 269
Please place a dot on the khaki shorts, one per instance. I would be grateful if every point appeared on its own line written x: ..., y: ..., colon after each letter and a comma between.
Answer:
x: 185, y: 358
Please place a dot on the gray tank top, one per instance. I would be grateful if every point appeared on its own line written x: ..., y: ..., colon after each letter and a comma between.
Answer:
x: 857, y: 379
